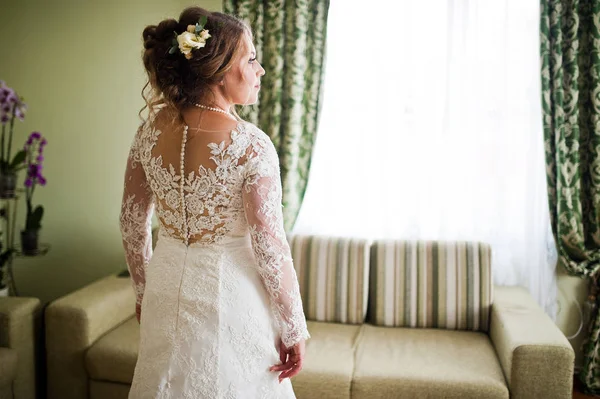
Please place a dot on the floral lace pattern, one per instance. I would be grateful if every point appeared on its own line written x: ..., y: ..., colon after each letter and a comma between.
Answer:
x: 135, y: 220
x: 262, y: 196
x: 212, y: 309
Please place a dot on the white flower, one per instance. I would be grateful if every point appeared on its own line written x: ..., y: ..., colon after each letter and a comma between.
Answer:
x: 204, y: 34
x: 189, y: 41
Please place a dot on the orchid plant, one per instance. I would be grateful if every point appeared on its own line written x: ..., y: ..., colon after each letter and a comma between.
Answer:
x: 34, y: 149
x: 30, y: 157
x: 32, y: 162
x: 11, y: 107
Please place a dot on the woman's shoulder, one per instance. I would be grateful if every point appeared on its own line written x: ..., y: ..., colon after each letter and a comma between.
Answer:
x: 254, y: 133
x: 154, y: 123
x: 257, y: 145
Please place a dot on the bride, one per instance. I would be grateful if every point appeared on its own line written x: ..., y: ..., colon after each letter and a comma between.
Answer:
x: 218, y: 300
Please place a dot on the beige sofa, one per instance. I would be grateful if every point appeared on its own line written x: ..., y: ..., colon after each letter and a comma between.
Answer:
x: 19, y: 337
x: 388, y: 319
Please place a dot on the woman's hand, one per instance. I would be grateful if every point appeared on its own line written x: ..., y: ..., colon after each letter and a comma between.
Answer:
x: 291, y: 360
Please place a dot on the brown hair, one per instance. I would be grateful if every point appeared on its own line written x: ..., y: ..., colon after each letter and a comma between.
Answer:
x: 177, y: 82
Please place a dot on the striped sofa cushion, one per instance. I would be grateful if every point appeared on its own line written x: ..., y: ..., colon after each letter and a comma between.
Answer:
x: 431, y: 284
x: 333, y: 276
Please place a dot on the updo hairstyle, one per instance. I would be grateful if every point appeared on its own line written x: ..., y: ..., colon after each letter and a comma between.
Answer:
x: 176, y: 82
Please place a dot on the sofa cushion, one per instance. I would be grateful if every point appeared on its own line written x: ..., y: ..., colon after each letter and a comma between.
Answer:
x: 431, y: 284
x: 113, y: 357
x: 329, y: 361
x: 333, y: 276
x: 424, y: 363
x: 8, y: 366
x: 327, y: 371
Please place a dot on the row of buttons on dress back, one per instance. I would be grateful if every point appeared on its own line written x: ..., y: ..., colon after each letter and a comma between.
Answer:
x: 181, y: 184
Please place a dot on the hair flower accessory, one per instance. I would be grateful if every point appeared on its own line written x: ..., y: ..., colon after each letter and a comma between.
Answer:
x: 194, y: 37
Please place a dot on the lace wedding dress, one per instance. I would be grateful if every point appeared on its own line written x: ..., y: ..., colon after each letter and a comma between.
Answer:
x: 220, y: 289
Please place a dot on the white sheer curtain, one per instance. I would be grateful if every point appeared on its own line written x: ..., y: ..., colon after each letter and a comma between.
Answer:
x: 431, y: 128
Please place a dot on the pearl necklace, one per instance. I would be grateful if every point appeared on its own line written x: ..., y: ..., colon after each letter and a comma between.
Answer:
x: 212, y: 109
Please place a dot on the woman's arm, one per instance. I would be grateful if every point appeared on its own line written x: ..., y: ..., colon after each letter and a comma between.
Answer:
x: 262, y: 195
x: 135, y: 220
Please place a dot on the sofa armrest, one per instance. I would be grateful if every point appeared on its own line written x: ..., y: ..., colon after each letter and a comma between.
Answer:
x: 74, y: 323
x: 8, y: 367
x: 537, y: 359
x: 19, y: 324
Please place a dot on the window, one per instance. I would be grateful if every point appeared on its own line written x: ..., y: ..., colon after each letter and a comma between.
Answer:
x: 431, y: 128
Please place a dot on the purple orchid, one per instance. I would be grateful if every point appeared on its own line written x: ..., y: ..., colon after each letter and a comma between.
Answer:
x: 6, y: 93
x: 20, y: 112
x: 11, y: 107
x: 34, y: 162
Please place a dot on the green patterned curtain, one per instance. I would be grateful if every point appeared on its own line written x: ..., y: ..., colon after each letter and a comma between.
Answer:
x: 289, y: 36
x: 570, y: 45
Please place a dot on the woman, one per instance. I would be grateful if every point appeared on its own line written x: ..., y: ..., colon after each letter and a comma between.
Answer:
x: 218, y: 301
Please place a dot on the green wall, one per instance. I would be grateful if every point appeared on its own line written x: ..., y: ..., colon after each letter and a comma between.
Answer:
x: 78, y: 66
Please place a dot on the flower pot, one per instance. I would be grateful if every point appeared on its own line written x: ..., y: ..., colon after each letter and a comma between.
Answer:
x: 29, y: 242
x: 3, y: 291
x: 8, y: 183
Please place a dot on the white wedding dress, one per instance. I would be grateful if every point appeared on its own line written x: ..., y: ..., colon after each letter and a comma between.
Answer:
x: 220, y: 289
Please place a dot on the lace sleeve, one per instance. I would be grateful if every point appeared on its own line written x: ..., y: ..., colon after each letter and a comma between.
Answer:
x: 262, y: 196
x: 136, y: 218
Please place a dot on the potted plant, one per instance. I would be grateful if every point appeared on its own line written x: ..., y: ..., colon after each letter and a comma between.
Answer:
x: 11, y: 107
x: 34, y: 148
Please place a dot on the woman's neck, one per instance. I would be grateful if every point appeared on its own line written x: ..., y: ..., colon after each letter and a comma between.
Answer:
x: 219, y: 101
